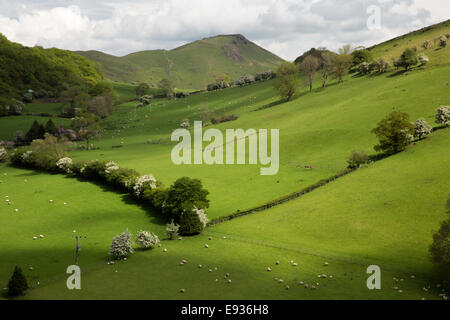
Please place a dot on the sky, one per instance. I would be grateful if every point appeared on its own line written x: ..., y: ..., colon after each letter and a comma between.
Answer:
x: 285, y: 27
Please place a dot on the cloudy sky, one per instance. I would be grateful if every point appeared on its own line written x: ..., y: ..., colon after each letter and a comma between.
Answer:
x: 285, y: 27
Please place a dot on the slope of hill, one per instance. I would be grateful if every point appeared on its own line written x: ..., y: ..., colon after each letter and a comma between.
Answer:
x: 191, y: 66
x: 49, y: 70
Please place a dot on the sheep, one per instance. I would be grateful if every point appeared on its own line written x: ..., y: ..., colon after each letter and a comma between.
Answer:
x: 179, y: 238
x: 182, y: 290
x: 269, y: 269
x: 41, y: 236
x: 325, y: 264
x: 287, y: 287
x: 30, y: 268
x: 51, y: 201
x: 277, y: 262
x: 164, y: 250
x: 294, y: 264
x: 210, y: 238
x: 313, y: 287
x: 209, y: 270
x: 300, y: 283
x: 281, y: 281
x: 200, y: 266
x: 229, y: 280
x: 16, y: 210
x: 34, y: 238
x: 400, y: 291
x: 206, y: 246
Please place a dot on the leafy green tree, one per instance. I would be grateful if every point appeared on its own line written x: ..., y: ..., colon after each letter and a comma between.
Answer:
x: 287, y: 80
x: 50, y: 127
x: 440, y: 249
x: 166, y: 86
x: 223, y: 81
x: 360, y: 56
x: 395, y: 132
x: 341, y: 64
x: 408, y: 59
x: 421, y: 129
x: 142, y: 89
x: 17, y: 284
x: 183, y: 195
x: 190, y: 223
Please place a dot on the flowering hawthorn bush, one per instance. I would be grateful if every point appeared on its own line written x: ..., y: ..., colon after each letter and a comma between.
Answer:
x: 147, y: 239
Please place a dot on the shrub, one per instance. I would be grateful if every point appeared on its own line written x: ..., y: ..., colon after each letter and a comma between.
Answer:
x: 93, y: 170
x: 64, y: 164
x: 122, y: 178
x: 224, y: 118
x: 443, y: 115
x: 266, y: 75
x: 184, y: 124
x: 16, y: 107
x: 172, y: 230
x: 408, y: 59
x: 156, y: 196
x: 27, y: 97
x: 183, y: 195
x: 421, y: 128
x: 423, y: 59
x: 145, y: 100
x: 443, y: 41
x: 3, y: 155
x: 394, y: 132
x: 76, y: 167
x: 190, y: 223
x: 381, y: 66
x: 363, y: 68
x: 147, y: 239
x: 17, y: 284
x: 121, y: 245
x: 356, y: 159
x: 142, y: 183
x: 426, y: 44
x: 440, y: 249
x: 287, y: 80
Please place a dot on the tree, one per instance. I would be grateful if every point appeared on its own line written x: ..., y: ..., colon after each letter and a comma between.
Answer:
x: 50, y: 127
x: 443, y: 115
x: 166, y: 86
x: 360, y: 56
x: 346, y: 49
x: 408, y: 59
x: 35, y: 132
x: 421, y: 129
x: 394, y: 132
x: 309, y: 66
x: 172, y: 230
x: 356, y: 159
x: 440, y: 249
x: 142, y: 89
x: 17, y: 284
x: 86, y: 129
x: 342, y: 62
x: 326, y: 66
x: 443, y: 41
x: 51, y: 147
x: 101, y: 106
x: 121, y: 246
x: 287, y: 80
x: 190, y: 223
x: 185, y: 194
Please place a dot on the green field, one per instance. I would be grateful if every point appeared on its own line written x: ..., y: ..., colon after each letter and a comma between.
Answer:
x: 382, y: 214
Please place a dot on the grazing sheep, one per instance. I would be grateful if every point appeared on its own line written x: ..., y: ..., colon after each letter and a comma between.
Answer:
x: 200, y: 266
x: 300, y: 283
x: 41, y: 236
x: 182, y: 290
x: 34, y: 238
x: 206, y: 246
x: 210, y: 238
x: 209, y: 270
x: 325, y: 264
x: 125, y: 259
x: 281, y: 281
x: 287, y: 287
x: 400, y: 291
x: 74, y: 231
x: 51, y: 201
x: 277, y: 262
x: 294, y: 264
x: 65, y: 203
x: 268, y: 269
x: 413, y: 276
x: 395, y: 288
x: 16, y: 210
x: 306, y: 285
x: 164, y: 250
x: 313, y: 287
x: 229, y: 280
x: 30, y: 268
x: 324, y: 276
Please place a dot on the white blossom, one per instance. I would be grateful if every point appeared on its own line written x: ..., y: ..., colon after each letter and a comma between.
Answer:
x: 201, y: 216
x: 111, y: 166
x: 121, y: 245
x: 142, y: 182
x: 64, y: 164
x: 147, y: 239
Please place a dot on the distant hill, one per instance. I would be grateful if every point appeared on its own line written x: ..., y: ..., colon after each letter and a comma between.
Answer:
x: 191, y: 66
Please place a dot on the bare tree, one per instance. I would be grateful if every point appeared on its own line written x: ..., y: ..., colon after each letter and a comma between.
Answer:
x: 342, y: 62
x: 309, y: 66
x: 326, y: 67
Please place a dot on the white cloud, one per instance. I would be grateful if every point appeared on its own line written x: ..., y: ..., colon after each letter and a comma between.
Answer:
x: 286, y: 27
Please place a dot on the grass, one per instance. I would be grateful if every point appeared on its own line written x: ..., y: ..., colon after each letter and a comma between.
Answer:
x: 11, y: 124
x: 383, y: 214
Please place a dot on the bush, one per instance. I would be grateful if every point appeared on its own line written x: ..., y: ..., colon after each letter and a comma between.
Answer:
x: 145, y: 100
x: 147, y: 239
x: 364, y: 68
x: 426, y: 44
x: 443, y: 115
x: 190, y: 223
x: 156, y: 196
x: 381, y: 66
x: 394, y: 132
x: 146, y: 182
x: 184, y: 124
x: 408, y: 59
x: 356, y: 159
x: 421, y: 128
x: 122, y: 177
x: 172, y: 230
x: 183, y: 195
x: 423, y: 59
x: 64, y: 164
x: 224, y: 118
x: 443, y: 41
x: 440, y: 249
x: 93, y: 170
x: 3, y: 155
x: 17, y: 284
x: 121, y: 245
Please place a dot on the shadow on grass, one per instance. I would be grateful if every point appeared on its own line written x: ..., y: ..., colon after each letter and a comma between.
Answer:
x: 156, y: 216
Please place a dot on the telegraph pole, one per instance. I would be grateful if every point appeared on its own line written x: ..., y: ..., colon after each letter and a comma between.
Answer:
x: 77, y: 248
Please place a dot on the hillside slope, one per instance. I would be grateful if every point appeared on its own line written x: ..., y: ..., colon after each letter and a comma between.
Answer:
x: 191, y: 66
